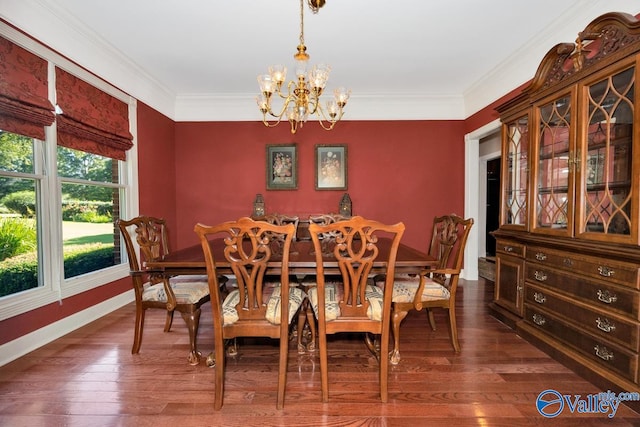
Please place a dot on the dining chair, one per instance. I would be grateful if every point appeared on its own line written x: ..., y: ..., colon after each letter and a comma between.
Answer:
x: 254, y: 308
x: 306, y: 313
x: 277, y: 241
x: 435, y: 287
x: 352, y: 303
x: 305, y: 317
x: 183, y: 293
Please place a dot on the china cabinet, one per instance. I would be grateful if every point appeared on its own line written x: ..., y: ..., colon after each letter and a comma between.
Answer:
x: 568, y: 254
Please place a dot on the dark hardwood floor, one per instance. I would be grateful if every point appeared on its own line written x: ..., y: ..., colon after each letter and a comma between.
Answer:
x: 90, y: 378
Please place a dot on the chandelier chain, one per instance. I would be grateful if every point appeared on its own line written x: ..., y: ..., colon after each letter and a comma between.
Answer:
x: 302, y: 22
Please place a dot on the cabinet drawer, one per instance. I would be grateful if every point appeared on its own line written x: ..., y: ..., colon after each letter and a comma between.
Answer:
x: 608, y: 271
x: 608, y: 327
x: 510, y: 247
x: 606, y: 354
x: 619, y: 299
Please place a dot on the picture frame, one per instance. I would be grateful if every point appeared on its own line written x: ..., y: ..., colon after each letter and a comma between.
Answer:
x: 331, y: 167
x: 282, y: 166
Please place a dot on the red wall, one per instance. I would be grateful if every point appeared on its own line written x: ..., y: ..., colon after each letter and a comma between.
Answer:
x: 210, y: 172
x: 406, y: 171
x: 156, y: 168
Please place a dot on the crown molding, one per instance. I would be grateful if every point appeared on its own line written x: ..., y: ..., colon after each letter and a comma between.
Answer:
x: 50, y: 23
x: 361, y: 107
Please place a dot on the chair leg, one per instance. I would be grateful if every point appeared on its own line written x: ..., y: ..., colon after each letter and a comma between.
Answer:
x: 302, y: 318
x: 432, y: 320
x: 384, y: 368
x: 453, y: 330
x: 324, y: 374
x: 232, y: 347
x: 137, y: 334
x: 169, y: 321
x: 219, y: 379
x: 396, y: 318
x: 192, y: 319
x: 311, y: 321
x: 282, y: 371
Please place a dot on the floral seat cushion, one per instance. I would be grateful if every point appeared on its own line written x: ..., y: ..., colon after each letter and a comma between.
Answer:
x: 187, y: 289
x: 333, y: 294
x: 296, y: 296
x: 406, y: 286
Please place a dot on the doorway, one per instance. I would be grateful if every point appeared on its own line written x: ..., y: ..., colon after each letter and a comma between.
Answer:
x: 492, y: 217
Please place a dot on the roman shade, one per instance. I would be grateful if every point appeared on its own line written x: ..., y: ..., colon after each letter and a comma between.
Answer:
x: 91, y: 120
x: 24, y: 105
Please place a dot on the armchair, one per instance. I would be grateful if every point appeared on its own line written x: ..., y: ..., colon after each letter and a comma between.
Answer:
x: 433, y: 288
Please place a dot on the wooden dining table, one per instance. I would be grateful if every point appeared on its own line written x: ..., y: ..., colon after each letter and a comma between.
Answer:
x: 302, y: 263
x: 302, y: 260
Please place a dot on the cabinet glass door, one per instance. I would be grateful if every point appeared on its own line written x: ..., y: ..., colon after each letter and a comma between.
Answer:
x: 606, y: 172
x: 553, y: 203
x: 516, y: 172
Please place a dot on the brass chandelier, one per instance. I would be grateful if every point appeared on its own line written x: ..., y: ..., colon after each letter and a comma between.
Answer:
x: 302, y: 97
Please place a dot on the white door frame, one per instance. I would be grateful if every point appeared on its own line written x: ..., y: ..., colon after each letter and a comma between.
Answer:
x: 471, y: 194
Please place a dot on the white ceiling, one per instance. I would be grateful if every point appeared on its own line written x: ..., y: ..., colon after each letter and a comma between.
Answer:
x: 406, y: 59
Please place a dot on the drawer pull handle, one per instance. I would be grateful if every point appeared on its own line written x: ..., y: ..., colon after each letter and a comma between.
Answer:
x: 539, y: 320
x: 541, y: 256
x: 606, y: 296
x: 508, y: 248
x: 568, y: 262
x: 540, y: 276
x: 539, y: 297
x: 605, y: 325
x: 603, y: 353
x: 605, y: 271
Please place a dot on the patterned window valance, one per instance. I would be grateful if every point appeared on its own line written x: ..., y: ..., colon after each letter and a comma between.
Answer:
x: 24, y: 104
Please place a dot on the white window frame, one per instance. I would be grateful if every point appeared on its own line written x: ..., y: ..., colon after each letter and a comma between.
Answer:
x: 55, y: 288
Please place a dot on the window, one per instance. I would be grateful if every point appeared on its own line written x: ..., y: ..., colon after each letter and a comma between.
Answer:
x: 90, y: 193
x: 61, y: 191
x: 20, y: 214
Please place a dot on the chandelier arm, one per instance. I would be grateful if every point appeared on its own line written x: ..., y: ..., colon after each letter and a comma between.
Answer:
x: 270, y: 124
x: 324, y: 122
x: 290, y: 88
x: 322, y: 125
x: 314, y: 105
x: 323, y: 116
x: 288, y: 100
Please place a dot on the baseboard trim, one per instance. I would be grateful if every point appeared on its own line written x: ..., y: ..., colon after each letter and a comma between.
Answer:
x: 36, y: 339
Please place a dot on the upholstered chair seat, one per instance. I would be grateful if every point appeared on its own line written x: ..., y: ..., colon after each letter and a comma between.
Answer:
x: 187, y: 289
x: 296, y: 296
x: 334, y: 294
x: 405, y: 287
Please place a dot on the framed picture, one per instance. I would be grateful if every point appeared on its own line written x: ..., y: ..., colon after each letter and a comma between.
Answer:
x: 282, y: 167
x: 331, y: 167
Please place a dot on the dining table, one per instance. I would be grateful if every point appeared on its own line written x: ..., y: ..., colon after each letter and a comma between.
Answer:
x: 302, y: 260
x: 302, y: 263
